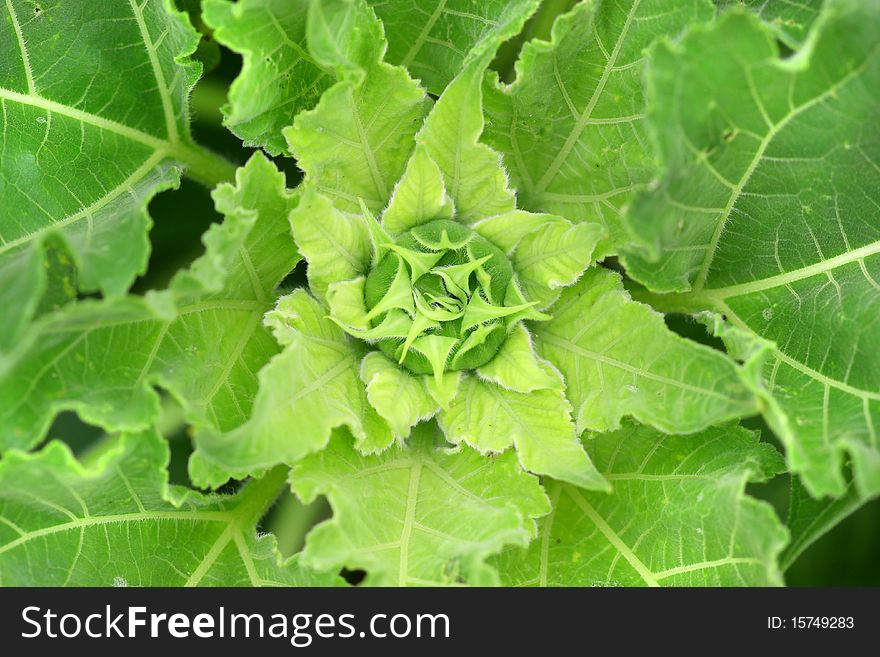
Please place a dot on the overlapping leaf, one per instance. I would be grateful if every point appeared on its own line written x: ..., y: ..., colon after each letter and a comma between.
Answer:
x: 791, y: 20
x: 433, y: 39
x: 419, y: 515
x: 768, y: 212
x: 118, y: 523
x: 355, y: 143
x: 571, y: 126
x: 619, y: 359
x: 81, y: 153
x: 678, y: 516
x: 203, y: 339
x: 279, y: 78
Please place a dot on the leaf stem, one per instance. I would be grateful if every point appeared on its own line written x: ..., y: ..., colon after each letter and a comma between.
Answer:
x: 258, y: 495
x: 202, y: 165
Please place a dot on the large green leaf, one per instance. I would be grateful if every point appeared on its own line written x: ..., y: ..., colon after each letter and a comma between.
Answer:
x: 356, y: 142
x: 306, y: 391
x: 571, y: 126
x: 678, y: 516
x: 93, y: 98
x: 420, y: 515
x: 433, y: 39
x: 768, y: 212
x: 279, y: 78
x: 619, y: 359
x: 791, y: 20
x: 119, y: 523
x: 492, y: 418
x: 203, y: 339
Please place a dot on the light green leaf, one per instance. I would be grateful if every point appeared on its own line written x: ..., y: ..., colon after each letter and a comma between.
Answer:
x: 475, y: 179
x: 419, y: 197
x: 507, y: 230
x: 119, y: 523
x: 356, y: 142
x: 400, y: 397
x: 517, y: 367
x: 678, y: 516
x: 774, y: 222
x: 98, y: 89
x: 618, y: 358
x: 490, y: 418
x: 554, y: 257
x: 419, y: 515
x: 336, y: 244
x: 202, y: 339
x: 305, y: 392
x: 790, y: 20
x: 279, y: 78
x: 433, y: 39
x: 571, y: 126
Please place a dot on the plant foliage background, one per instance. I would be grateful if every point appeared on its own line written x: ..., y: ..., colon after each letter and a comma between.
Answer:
x: 452, y: 292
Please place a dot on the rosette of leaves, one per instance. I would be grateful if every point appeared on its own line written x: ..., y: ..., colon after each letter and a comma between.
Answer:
x: 432, y: 295
x: 456, y: 336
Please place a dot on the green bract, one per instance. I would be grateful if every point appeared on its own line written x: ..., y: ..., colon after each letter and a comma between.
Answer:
x: 439, y: 306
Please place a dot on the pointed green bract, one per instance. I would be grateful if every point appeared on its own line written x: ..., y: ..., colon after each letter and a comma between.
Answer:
x: 443, y: 512
x: 753, y: 219
x: 678, y: 516
x: 493, y: 419
x: 65, y: 111
x: 305, y: 392
x: 279, y: 78
x: 202, y: 339
x: 354, y: 145
x: 571, y: 126
x: 119, y: 523
x: 618, y: 358
x: 432, y: 39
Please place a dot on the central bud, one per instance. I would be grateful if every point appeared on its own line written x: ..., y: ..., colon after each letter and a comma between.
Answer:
x: 444, y: 297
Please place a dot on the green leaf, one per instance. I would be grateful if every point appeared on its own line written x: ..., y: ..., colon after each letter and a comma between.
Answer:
x: 305, y: 392
x: 400, y: 397
x: 678, y: 516
x: 356, y: 142
x: 490, y: 418
x: 571, y: 126
x: 810, y: 519
x: 619, y: 359
x: 279, y: 78
x: 419, y: 197
x: 94, y: 105
x: 336, y: 244
x: 202, y: 339
x: 774, y: 223
x: 517, y: 367
x: 790, y: 20
x: 119, y: 523
x: 434, y: 41
x: 474, y: 176
x: 420, y: 515
x: 554, y: 257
